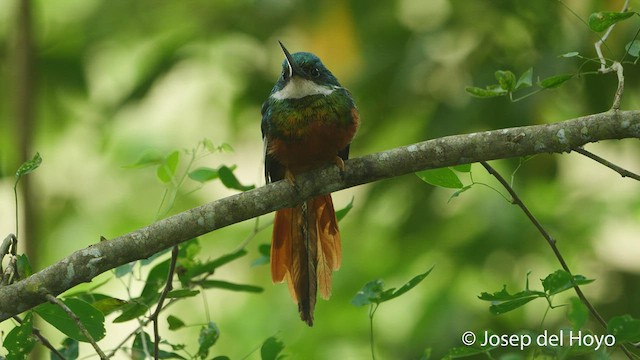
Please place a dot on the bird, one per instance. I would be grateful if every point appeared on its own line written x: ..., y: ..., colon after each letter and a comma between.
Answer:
x: 308, y: 121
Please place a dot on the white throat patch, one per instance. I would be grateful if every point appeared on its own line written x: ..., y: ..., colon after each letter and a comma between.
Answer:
x: 298, y: 88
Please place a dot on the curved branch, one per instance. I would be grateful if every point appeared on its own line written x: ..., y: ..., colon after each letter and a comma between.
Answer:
x: 83, y: 265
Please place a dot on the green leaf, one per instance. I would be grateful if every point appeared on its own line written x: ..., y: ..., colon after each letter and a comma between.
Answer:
x: 600, y: 21
x: 374, y: 292
x: 107, y: 305
x: 141, y: 342
x: 624, y: 328
x: 265, y: 255
x: 131, y: 311
x: 90, y: 317
x: 460, y: 191
x: 465, y: 168
x: 489, y: 92
x: 386, y: 296
x: 503, y: 302
x: 69, y: 350
x: 174, y: 322
x: 182, y: 293
x: 570, y: 54
x: 577, y: 313
x: 340, y: 214
x: 271, y: 348
x: 443, y: 177
x: 24, y: 266
x: 561, y: 280
x: 218, y: 284
x: 230, y: 181
x: 167, y: 169
x: 506, y: 306
x: 633, y: 48
x: 555, y: 81
x: 203, y: 174
x: 525, y: 80
x: 156, y: 280
x: 19, y: 341
x: 28, y: 166
x: 224, y: 147
x: 210, y: 266
x: 370, y: 293
x: 209, y: 334
x: 506, y: 79
x: 148, y: 158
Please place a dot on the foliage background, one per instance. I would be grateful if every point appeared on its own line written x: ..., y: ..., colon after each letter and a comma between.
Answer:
x: 118, y: 78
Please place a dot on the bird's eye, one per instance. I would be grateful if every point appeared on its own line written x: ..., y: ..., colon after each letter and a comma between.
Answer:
x: 315, y: 72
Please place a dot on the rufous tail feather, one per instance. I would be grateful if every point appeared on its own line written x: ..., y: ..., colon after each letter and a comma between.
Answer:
x: 305, y: 250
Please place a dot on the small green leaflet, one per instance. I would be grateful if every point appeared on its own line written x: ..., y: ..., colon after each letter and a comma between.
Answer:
x: 167, y: 169
x: 624, y: 328
x: 174, y: 322
x: 373, y: 292
x: 218, y: 284
x: 70, y: 349
x: 561, y: 280
x: 633, y: 48
x: 28, y: 166
x: 182, y: 293
x: 209, y: 334
x: 203, y: 174
x: 271, y: 349
x: 577, y: 313
x: 230, y: 181
x: 340, y: 214
x: 148, y: 158
x: 555, y: 81
x: 600, y: 21
x: 502, y: 301
x: 506, y: 80
x: 525, y: 79
x: 443, y: 177
x: 570, y: 54
x: 488, y: 92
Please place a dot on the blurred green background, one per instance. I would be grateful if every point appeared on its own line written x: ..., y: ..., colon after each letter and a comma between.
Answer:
x: 114, y: 79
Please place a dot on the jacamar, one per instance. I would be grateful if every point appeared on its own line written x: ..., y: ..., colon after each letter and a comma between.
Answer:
x: 308, y: 121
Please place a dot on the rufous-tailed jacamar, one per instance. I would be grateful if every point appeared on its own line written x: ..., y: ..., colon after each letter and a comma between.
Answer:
x: 308, y: 121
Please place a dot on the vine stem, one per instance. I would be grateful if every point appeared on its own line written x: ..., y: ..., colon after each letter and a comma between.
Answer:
x: 515, y: 199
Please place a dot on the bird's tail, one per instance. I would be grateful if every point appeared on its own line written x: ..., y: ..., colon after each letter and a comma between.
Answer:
x: 305, y: 250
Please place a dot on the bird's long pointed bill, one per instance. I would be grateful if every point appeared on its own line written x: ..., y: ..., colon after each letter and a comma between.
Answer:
x: 294, y: 69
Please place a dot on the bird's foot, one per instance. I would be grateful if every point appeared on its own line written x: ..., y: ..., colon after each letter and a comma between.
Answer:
x: 340, y: 164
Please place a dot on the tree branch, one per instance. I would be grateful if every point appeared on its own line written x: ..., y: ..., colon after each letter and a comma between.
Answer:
x: 83, y: 265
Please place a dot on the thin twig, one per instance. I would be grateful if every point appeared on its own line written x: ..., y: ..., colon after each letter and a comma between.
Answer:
x: 616, y: 66
x: 515, y: 199
x: 623, y: 172
x: 36, y: 332
x: 54, y: 300
x: 163, y: 296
